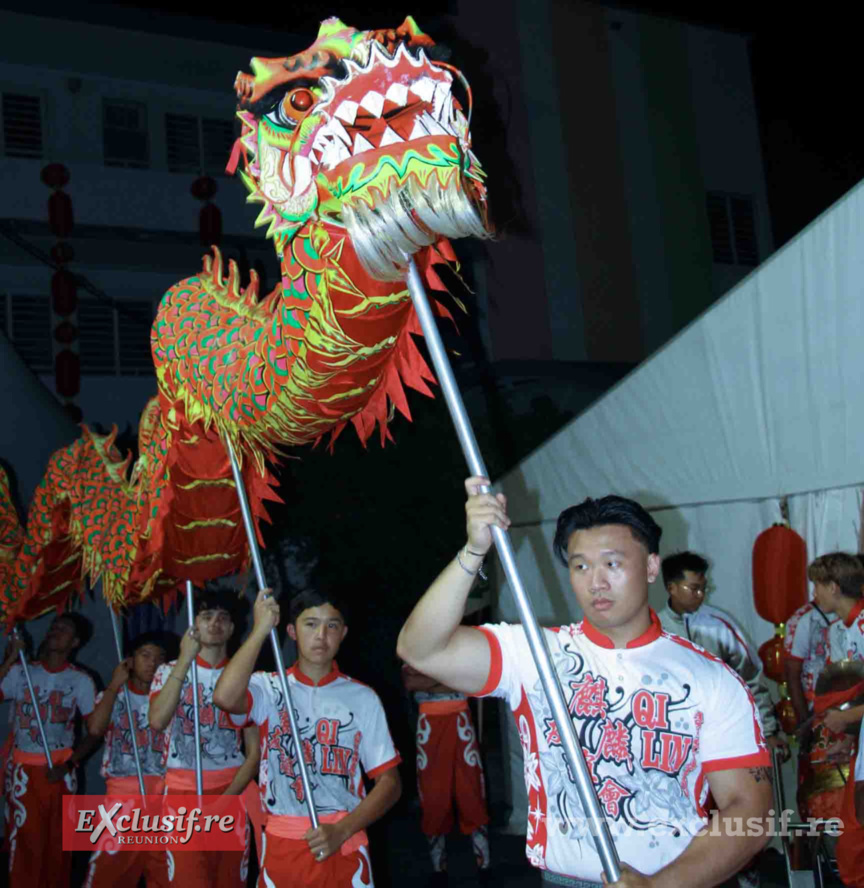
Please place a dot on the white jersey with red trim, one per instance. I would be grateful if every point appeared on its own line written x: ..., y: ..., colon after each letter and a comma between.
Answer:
x: 859, y: 760
x: 654, y: 719
x: 846, y: 637
x: 118, y: 759
x: 343, y: 728
x: 60, y: 693
x: 220, y: 740
x: 806, y: 640
x: 714, y: 630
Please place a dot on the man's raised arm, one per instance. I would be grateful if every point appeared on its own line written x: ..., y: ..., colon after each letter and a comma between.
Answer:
x: 432, y: 640
x: 230, y: 691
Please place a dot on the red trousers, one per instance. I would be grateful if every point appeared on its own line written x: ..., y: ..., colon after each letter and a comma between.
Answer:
x: 288, y: 863
x: 449, y: 769
x: 34, y: 825
x: 112, y: 865
x: 208, y: 869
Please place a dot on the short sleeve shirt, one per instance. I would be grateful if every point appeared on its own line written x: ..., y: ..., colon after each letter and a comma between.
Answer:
x: 654, y: 719
x: 60, y: 693
x: 807, y: 640
x: 220, y: 740
x: 342, y: 728
x: 118, y: 759
x: 846, y: 637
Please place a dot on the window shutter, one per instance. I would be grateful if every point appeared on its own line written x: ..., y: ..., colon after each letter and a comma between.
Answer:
x: 22, y: 125
x: 96, y: 337
x: 718, y: 223
x: 125, y: 137
x: 134, y: 320
x: 744, y: 226
x: 30, y: 331
x: 217, y: 139
x: 181, y: 137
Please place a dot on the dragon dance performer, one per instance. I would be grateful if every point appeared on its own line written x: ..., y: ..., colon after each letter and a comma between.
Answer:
x: 225, y: 769
x: 343, y: 727
x: 34, y: 792
x: 449, y: 770
x: 806, y: 653
x: 660, y: 721
x: 110, y: 720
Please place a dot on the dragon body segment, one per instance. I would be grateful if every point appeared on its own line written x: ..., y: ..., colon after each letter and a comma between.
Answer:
x: 360, y: 157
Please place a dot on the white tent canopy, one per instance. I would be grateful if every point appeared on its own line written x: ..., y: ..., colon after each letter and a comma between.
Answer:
x: 757, y: 400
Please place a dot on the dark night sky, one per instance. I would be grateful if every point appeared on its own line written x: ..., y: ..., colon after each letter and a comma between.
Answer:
x: 806, y: 71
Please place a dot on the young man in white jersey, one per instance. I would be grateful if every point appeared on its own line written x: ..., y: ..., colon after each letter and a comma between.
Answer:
x: 686, y: 614
x: 660, y: 721
x: 226, y: 770
x: 110, y: 720
x: 806, y: 653
x: 34, y: 793
x: 342, y: 728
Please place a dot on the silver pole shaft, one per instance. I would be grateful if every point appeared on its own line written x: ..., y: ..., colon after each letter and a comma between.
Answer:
x: 536, y: 641
x: 196, y: 720
x: 258, y: 566
x: 22, y: 657
x: 115, y: 625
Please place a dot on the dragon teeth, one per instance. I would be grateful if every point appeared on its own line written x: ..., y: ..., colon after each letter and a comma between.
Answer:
x: 302, y: 174
x: 335, y: 128
x: 419, y: 131
x: 334, y: 154
x: 361, y: 144
x: 439, y: 100
x: 390, y: 137
x: 347, y: 111
x: 373, y: 102
x: 398, y: 93
x: 433, y: 127
x: 424, y: 88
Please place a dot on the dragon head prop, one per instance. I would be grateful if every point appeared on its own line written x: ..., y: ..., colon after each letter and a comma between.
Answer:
x: 362, y: 131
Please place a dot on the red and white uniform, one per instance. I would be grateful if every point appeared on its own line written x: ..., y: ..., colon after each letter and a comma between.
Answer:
x: 342, y: 729
x: 33, y: 805
x: 807, y: 641
x: 655, y: 719
x: 846, y: 637
x: 221, y: 756
x: 108, y: 868
x: 448, y: 764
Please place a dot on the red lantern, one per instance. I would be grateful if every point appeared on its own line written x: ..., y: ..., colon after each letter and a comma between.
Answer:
x: 204, y: 188
x: 73, y: 411
x: 65, y: 333
x: 772, y: 654
x: 67, y: 373
x: 60, y: 214
x: 779, y: 573
x: 64, y: 293
x: 55, y: 175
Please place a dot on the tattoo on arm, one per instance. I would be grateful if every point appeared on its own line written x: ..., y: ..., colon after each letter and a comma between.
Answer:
x: 760, y: 774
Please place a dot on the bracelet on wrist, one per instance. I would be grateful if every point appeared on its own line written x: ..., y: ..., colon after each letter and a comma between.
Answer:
x: 467, y: 570
x: 176, y: 677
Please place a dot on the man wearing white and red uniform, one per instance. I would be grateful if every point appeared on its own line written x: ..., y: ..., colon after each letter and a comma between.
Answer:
x: 838, y: 588
x: 660, y: 721
x: 111, y: 865
x: 342, y: 728
x: 449, y: 771
x: 34, y: 793
x: 806, y: 649
x: 226, y: 771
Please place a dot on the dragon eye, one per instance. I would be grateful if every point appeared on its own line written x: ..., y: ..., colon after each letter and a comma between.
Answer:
x: 301, y: 99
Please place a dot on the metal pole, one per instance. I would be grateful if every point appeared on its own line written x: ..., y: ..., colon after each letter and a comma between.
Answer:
x: 258, y: 566
x: 190, y: 610
x: 22, y: 657
x: 127, y: 697
x: 536, y: 642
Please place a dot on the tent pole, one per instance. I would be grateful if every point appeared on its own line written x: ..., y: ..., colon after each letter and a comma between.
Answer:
x: 258, y: 566
x: 597, y: 823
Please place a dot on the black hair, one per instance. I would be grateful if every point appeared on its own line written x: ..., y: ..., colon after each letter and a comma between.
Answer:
x: 673, y: 566
x: 600, y: 512
x: 161, y: 639
x: 218, y: 599
x: 82, y: 626
x: 316, y: 596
